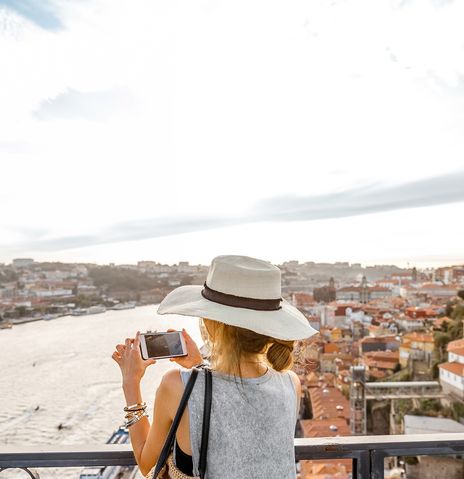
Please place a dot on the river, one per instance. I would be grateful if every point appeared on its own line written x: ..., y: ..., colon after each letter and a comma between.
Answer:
x: 61, y: 372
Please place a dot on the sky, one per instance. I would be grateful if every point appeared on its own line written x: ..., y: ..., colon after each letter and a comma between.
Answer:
x: 174, y: 130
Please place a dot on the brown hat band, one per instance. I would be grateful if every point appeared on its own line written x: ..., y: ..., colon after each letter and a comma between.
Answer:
x: 240, y: 301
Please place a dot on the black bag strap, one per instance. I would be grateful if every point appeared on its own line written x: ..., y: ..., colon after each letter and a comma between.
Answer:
x: 169, y: 443
x: 206, y: 421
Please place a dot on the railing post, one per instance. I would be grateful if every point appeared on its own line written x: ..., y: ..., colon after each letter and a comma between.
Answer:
x: 377, y: 464
x: 33, y: 474
x: 362, y: 465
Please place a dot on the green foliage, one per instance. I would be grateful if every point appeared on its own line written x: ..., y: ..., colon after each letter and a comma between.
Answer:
x: 458, y: 411
x: 450, y: 331
x: 52, y: 266
x: 436, y: 370
x: 402, y: 375
x: 83, y: 301
x: 122, y: 279
x: 449, y: 309
x: 458, y: 312
x: 455, y: 329
x: 431, y: 408
x: 8, y: 276
x: 441, y: 340
x: 402, y: 407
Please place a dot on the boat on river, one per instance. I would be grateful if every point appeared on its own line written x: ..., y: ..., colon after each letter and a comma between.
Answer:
x: 121, y: 306
x: 91, y: 310
x: 96, y: 309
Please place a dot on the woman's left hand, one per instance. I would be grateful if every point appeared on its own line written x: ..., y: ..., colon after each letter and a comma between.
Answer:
x: 129, y: 359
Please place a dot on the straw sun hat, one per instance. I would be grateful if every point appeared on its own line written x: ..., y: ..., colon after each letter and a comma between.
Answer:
x: 241, y: 291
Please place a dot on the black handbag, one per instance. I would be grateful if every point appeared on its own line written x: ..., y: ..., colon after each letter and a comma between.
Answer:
x: 165, y: 467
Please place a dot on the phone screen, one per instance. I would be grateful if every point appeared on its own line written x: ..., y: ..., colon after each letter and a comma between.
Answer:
x: 163, y: 344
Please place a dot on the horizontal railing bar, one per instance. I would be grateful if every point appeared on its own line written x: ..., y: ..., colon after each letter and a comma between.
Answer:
x: 305, y: 448
x: 402, y: 384
x: 385, y: 397
x: 382, y: 441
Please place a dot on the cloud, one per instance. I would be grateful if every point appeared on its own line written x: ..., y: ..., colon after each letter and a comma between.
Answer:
x: 351, y: 202
x: 364, y: 200
x: 93, y: 105
x: 43, y: 13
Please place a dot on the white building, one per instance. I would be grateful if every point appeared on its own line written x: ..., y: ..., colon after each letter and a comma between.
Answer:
x: 430, y: 425
x: 452, y: 372
x: 22, y: 262
x: 406, y: 323
x: 50, y: 293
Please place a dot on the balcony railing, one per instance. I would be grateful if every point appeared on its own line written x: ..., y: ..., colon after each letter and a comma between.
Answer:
x: 367, y: 452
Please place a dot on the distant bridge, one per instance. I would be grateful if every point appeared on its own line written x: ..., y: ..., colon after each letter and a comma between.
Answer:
x: 403, y: 390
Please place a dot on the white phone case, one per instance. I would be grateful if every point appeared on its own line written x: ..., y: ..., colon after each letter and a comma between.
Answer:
x: 143, y: 345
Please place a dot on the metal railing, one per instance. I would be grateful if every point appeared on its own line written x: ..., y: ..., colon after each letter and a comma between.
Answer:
x: 367, y: 452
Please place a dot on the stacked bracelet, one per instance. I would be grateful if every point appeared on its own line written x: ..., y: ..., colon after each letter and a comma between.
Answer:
x: 136, y: 407
x: 135, y: 412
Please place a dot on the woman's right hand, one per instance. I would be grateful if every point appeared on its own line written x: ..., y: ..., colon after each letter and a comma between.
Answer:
x: 193, y: 353
x: 130, y: 360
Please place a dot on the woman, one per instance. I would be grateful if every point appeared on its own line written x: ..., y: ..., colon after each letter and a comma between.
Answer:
x: 251, y: 332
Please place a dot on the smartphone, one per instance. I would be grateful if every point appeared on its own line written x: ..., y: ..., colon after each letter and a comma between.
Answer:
x: 161, y: 345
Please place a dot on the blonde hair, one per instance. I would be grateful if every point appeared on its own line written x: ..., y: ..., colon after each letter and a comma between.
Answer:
x: 230, y: 344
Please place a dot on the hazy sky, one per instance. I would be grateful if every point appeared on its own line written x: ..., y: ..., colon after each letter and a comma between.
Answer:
x: 179, y: 130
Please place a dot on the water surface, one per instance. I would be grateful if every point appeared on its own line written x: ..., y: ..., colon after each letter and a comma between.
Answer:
x: 61, y: 372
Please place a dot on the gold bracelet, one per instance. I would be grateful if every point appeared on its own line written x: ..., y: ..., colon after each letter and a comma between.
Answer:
x: 136, y: 406
x: 135, y: 419
x: 129, y: 416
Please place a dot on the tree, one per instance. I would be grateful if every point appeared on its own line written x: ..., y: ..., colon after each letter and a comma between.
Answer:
x: 441, y: 340
x: 455, y: 329
x: 458, y: 312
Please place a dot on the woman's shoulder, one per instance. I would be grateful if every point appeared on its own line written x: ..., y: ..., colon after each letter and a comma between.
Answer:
x: 172, y: 377
x: 170, y: 389
x: 295, y: 379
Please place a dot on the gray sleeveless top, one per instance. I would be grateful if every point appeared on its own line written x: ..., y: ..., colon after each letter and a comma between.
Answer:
x: 252, y: 426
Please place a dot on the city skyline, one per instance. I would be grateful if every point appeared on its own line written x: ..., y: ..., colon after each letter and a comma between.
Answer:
x: 408, y: 266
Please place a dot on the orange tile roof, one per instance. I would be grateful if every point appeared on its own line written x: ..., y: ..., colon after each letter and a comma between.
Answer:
x: 326, y: 468
x: 372, y: 363
x: 419, y: 337
x: 444, y: 319
x: 455, y: 368
x: 392, y: 356
x: 456, y: 344
x: 329, y: 402
x: 458, y: 351
x: 321, y: 427
x: 378, y: 339
x: 331, y: 348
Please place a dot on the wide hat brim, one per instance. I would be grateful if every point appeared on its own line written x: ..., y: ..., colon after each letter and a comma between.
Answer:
x: 287, y: 323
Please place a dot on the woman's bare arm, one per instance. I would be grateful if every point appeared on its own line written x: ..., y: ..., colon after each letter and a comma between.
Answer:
x: 148, y: 440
